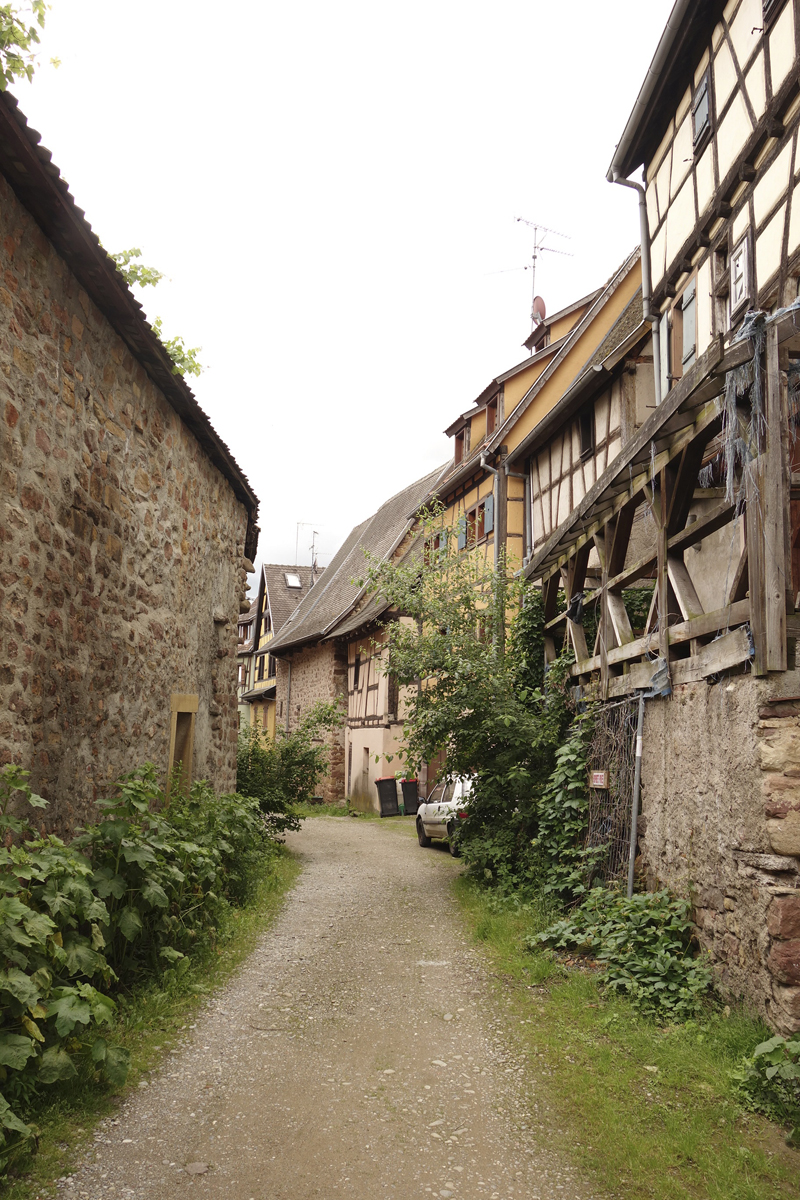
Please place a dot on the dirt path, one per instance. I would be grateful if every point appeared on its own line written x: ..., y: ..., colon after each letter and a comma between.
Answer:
x: 358, y: 1053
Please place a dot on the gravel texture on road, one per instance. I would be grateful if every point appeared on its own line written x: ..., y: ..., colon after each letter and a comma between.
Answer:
x: 360, y: 1053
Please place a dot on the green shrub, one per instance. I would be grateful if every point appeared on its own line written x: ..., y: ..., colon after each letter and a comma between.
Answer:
x: 130, y: 897
x: 769, y: 1081
x: 284, y: 771
x: 645, y: 946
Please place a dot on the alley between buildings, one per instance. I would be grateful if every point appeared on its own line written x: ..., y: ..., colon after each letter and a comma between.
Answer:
x: 360, y: 1052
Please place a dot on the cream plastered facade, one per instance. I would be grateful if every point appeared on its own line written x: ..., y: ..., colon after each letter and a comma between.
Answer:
x: 733, y: 186
x: 375, y: 715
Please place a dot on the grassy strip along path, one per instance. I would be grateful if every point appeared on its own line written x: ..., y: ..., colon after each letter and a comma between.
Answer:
x: 651, y: 1110
x: 149, y: 1024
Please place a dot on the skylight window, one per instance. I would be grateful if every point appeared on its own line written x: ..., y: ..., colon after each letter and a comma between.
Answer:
x: 292, y: 580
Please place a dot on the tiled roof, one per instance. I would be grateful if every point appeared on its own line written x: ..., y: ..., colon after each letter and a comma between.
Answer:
x: 333, y: 598
x: 283, y: 600
x: 36, y: 180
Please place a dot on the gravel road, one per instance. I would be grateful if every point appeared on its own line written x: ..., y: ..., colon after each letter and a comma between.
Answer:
x: 359, y: 1053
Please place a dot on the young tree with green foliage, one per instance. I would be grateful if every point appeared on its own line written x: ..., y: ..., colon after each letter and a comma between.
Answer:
x: 473, y: 639
x: 136, y: 274
x: 18, y: 36
x: 284, y: 771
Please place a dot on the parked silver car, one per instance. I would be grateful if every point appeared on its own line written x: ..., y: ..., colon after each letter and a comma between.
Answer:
x: 440, y: 814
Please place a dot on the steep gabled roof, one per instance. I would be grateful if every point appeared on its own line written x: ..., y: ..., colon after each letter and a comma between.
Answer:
x: 37, y: 182
x: 282, y: 599
x: 603, y: 297
x: 334, y: 597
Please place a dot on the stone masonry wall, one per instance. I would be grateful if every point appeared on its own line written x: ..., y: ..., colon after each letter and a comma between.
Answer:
x: 119, y: 543
x: 319, y: 672
x: 720, y: 781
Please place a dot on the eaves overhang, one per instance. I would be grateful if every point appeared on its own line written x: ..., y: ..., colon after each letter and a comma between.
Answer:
x: 37, y: 182
x: 685, y: 37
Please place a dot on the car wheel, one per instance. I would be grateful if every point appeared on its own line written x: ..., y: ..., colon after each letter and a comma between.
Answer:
x: 452, y: 839
x: 422, y: 836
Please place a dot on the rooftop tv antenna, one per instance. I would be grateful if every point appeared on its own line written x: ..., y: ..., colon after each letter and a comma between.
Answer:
x: 540, y: 232
x: 301, y: 524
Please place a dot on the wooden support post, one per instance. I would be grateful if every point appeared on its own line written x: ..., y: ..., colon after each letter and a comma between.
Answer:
x: 774, y: 503
x: 602, y: 544
x: 755, y: 563
x: 685, y: 594
x: 550, y: 597
x: 662, y: 579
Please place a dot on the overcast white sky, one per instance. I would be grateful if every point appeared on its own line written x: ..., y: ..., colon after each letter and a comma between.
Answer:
x: 331, y: 189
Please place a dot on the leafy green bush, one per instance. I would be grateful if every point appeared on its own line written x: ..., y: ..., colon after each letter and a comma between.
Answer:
x: 645, y: 945
x: 769, y: 1081
x: 131, y: 896
x: 284, y: 771
x: 51, y: 943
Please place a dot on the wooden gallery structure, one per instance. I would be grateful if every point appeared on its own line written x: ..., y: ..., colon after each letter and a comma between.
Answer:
x: 714, y: 470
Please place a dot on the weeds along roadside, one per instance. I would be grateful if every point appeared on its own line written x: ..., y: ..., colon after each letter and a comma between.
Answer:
x: 150, y: 1022
x: 652, y: 1110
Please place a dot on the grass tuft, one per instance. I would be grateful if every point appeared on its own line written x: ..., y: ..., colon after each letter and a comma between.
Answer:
x: 648, y: 1111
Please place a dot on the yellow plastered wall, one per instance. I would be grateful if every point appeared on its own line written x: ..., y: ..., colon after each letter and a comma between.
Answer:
x: 573, y: 363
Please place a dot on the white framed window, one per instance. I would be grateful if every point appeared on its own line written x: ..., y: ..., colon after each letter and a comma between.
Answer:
x: 740, y: 275
x: 292, y: 580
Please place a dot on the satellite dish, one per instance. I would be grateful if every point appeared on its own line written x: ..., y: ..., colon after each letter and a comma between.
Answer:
x: 539, y: 310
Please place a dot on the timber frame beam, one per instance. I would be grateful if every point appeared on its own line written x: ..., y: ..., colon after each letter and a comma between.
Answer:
x: 658, y: 468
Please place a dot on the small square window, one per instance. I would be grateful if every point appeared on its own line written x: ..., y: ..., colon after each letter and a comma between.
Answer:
x: 701, y: 112
x: 292, y: 581
x: 740, y: 276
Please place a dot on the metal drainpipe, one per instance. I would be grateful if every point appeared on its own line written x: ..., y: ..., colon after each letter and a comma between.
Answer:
x: 526, y: 524
x: 288, y: 694
x: 647, y: 290
x: 496, y: 543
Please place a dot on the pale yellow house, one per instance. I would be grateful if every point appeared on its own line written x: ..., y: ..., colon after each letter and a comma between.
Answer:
x: 281, y: 590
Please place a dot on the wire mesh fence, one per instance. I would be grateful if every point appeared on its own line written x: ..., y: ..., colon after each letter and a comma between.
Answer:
x: 613, y: 752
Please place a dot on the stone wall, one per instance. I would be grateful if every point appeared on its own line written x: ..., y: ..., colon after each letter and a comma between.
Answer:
x: 318, y: 672
x: 720, y: 785
x: 120, y: 548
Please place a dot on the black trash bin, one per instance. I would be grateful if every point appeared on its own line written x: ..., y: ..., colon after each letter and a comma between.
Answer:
x: 410, y: 795
x: 387, y: 796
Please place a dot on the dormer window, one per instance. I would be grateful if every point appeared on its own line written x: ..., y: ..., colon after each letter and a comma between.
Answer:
x: 462, y: 444
x: 701, y: 112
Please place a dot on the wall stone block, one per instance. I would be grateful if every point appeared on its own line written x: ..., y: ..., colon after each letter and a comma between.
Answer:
x: 784, y: 917
x: 784, y: 834
x: 784, y: 961
x: 106, y: 622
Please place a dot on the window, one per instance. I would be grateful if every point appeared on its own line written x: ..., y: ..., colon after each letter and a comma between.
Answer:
x: 292, y: 580
x: 740, y: 276
x: 272, y: 666
x: 357, y: 672
x: 260, y: 673
x: 491, y: 417
x: 678, y: 337
x: 476, y: 524
x: 435, y: 549
x: 770, y: 8
x: 587, y: 432
x: 462, y: 444
x: 183, y: 710
x: 242, y: 674
x: 701, y: 113
x: 267, y: 623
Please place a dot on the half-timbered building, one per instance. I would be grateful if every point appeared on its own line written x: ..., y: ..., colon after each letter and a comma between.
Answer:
x: 713, y: 471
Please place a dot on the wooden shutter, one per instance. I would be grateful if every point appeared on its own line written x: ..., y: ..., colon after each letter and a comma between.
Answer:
x: 462, y: 532
x: 488, y: 513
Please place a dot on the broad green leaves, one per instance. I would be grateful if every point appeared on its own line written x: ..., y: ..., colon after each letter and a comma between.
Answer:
x: 769, y: 1082
x: 17, y: 39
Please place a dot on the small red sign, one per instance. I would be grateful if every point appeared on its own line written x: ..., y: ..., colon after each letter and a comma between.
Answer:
x: 599, y: 779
